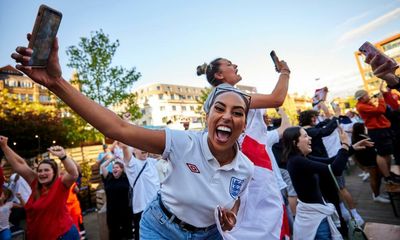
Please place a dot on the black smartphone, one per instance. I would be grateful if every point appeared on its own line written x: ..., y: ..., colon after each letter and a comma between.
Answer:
x: 275, y: 59
x: 43, y: 34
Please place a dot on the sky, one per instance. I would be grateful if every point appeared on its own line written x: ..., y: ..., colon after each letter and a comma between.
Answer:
x: 167, y: 40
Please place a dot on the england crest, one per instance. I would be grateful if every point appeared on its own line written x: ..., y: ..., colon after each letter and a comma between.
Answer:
x: 235, y: 186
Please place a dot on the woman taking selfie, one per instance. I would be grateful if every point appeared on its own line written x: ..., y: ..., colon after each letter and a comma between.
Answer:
x: 47, y: 216
x: 207, y: 163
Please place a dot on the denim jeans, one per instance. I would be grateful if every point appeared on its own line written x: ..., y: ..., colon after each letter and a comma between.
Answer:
x: 156, y: 225
x: 5, y: 234
x: 72, y: 234
x: 323, y: 231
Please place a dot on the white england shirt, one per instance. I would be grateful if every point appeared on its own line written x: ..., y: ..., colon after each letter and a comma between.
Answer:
x: 197, y: 184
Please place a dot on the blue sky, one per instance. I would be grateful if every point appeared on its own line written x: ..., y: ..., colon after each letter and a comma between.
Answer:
x: 167, y: 40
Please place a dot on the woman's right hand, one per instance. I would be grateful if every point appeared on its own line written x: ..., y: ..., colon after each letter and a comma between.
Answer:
x: 47, y: 76
x: 284, y: 67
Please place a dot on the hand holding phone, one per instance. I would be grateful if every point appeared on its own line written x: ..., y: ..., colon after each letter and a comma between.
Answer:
x: 275, y: 59
x: 43, y: 34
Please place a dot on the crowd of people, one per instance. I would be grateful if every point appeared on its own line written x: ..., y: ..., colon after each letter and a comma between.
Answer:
x: 243, y: 177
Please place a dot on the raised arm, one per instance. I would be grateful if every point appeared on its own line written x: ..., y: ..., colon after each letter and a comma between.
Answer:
x: 104, y: 169
x: 285, y: 122
x: 95, y: 114
x: 17, y: 163
x: 278, y: 95
x: 71, y: 170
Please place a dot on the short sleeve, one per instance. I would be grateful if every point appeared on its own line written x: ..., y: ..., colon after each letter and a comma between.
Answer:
x: 176, y: 143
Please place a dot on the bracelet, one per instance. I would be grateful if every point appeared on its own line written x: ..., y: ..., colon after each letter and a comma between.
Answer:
x: 285, y: 73
x: 345, y: 144
x: 286, y: 70
x: 63, y: 157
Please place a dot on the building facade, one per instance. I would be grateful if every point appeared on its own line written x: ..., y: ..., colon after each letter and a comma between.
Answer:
x: 173, y: 104
x: 23, y: 88
x: 391, y: 47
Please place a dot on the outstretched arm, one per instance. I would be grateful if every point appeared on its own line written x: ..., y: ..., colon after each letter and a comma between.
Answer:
x: 17, y: 163
x: 278, y: 95
x: 95, y: 114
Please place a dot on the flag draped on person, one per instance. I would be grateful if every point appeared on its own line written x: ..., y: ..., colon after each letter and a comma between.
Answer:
x: 262, y: 213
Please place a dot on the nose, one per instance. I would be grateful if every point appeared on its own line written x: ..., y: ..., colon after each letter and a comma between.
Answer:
x: 227, y: 116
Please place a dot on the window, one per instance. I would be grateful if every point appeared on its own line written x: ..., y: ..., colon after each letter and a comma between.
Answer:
x: 30, y: 98
x: 190, y: 97
x: 172, y: 96
x: 173, y: 108
x: 23, y: 97
x: 158, y: 87
x: 191, y: 108
x: 183, y: 108
x: 162, y: 108
x: 44, y: 98
x: 179, y: 89
x: 143, y: 111
x: 160, y: 96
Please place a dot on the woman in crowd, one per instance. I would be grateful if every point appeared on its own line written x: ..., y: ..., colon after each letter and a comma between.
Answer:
x: 367, y: 158
x: 47, y: 216
x: 315, y: 219
x: 207, y: 162
x: 5, y: 210
x: 119, y: 213
x: 222, y: 73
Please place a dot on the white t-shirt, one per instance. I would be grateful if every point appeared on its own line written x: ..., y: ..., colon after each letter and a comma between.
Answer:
x: 272, y: 138
x: 147, y: 185
x: 197, y: 183
x: 21, y: 187
x: 5, y: 212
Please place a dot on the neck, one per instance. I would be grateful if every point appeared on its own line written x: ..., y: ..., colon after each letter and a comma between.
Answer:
x: 223, y: 157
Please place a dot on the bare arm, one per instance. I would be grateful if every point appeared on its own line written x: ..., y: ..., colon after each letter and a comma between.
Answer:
x: 71, y: 170
x: 285, y: 122
x: 104, y: 167
x: 278, y: 95
x: 17, y: 163
x: 95, y: 114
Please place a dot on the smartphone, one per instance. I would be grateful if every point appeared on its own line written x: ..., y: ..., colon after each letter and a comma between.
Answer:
x: 43, y: 34
x: 334, y: 105
x: 275, y: 59
x: 369, y: 49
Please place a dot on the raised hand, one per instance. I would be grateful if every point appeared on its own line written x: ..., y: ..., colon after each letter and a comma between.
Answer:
x: 58, y: 151
x: 3, y: 141
x: 47, y: 76
x: 385, y: 71
x: 363, y: 144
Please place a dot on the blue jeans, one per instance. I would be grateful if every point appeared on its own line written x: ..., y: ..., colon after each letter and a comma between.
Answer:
x: 72, y: 234
x: 323, y: 231
x: 5, y: 234
x: 156, y: 225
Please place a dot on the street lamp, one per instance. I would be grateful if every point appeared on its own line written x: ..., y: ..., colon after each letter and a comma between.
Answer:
x: 54, y: 141
x: 38, y: 138
x: 14, y: 143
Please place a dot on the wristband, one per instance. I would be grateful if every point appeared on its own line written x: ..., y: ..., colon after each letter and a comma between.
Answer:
x: 285, y: 70
x: 285, y: 73
x: 345, y: 144
x: 63, y: 157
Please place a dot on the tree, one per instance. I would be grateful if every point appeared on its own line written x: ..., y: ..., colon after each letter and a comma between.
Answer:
x: 202, y: 99
x: 103, y: 83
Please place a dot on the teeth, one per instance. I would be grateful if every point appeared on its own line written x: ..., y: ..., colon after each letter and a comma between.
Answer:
x: 225, y: 129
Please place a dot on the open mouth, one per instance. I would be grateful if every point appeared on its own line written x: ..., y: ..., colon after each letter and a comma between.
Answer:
x: 223, y: 133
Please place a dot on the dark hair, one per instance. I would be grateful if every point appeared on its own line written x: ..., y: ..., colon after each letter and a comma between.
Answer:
x: 290, y: 139
x: 358, y: 129
x: 276, y: 122
x: 210, y: 70
x: 305, y: 117
x: 8, y: 194
x: 120, y: 164
x: 53, y: 166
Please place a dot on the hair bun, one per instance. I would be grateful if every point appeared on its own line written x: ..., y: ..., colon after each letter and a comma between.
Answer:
x: 202, y: 69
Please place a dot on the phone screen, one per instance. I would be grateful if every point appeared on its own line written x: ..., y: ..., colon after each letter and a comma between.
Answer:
x: 43, y: 38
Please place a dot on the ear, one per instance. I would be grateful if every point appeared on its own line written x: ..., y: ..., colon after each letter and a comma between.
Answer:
x: 218, y: 75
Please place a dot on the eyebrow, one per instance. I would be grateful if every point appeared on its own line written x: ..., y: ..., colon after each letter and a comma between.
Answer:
x: 241, y: 107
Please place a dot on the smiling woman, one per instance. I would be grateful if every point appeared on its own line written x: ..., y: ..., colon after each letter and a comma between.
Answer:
x: 207, y: 162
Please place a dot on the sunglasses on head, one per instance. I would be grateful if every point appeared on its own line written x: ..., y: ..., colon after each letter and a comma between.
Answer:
x: 219, y: 90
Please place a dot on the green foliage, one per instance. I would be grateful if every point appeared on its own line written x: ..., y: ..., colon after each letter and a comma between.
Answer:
x: 202, y: 99
x: 21, y: 121
x: 100, y: 81
x: 132, y: 107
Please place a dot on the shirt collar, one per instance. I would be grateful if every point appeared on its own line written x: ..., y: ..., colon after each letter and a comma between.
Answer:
x: 213, y: 161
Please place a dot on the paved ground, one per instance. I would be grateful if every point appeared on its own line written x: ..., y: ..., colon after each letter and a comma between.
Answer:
x: 367, y: 208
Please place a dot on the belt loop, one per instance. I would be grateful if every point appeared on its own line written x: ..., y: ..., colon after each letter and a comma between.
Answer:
x: 171, y: 219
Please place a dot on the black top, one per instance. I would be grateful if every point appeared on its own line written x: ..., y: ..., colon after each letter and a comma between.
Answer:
x: 117, y: 190
x: 322, y: 129
x: 305, y: 171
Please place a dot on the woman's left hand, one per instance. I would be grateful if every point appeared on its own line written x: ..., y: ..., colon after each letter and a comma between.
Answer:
x: 58, y: 151
x: 363, y: 144
x: 227, y: 219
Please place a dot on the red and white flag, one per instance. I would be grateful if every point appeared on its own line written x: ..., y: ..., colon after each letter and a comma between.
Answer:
x: 262, y: 213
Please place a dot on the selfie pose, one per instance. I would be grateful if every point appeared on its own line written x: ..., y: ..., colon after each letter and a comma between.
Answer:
x: 207, y: 163
x: 47, y: 216
x: 256, y: 143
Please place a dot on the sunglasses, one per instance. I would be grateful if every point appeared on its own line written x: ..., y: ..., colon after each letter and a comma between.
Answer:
x: 219, y: 90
